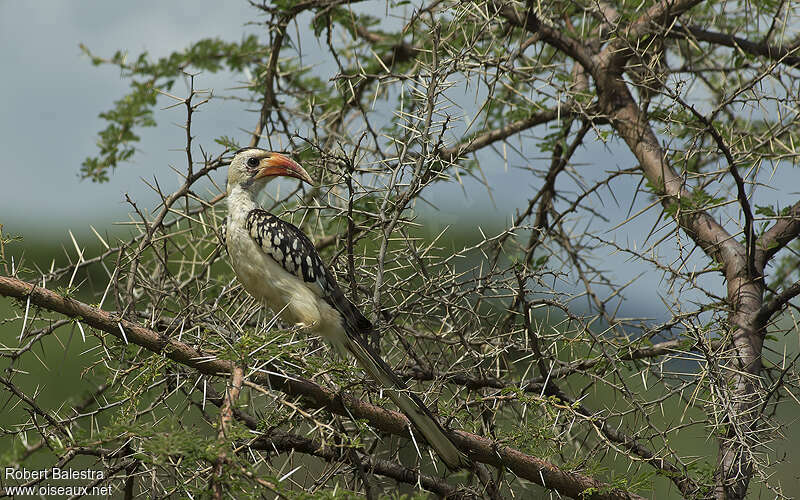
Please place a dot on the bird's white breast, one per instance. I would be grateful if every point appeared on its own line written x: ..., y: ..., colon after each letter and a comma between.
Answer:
x: 267, y: 281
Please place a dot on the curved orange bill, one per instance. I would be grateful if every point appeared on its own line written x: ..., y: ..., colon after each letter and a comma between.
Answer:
x: 278, y: 164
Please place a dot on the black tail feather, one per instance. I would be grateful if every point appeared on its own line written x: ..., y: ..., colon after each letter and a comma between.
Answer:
x: 409, y: 403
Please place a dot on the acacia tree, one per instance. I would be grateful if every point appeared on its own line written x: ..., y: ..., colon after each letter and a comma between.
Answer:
x: 514, y: 339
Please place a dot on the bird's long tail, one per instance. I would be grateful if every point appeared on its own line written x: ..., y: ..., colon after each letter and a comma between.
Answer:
x: 413, y: 407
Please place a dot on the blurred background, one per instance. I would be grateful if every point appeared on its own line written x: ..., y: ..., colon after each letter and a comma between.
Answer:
x: 52, y: 96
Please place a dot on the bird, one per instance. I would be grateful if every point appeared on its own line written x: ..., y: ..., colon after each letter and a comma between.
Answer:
x: 279, y: 266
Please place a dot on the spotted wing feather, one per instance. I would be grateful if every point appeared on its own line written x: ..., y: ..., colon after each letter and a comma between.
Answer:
x: 292, y: 249
x: 222, y: 233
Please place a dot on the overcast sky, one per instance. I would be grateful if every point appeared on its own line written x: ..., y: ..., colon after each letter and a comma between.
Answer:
x: 52, y: 96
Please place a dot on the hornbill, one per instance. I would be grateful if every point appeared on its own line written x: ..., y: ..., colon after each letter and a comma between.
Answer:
x: 278, y: 265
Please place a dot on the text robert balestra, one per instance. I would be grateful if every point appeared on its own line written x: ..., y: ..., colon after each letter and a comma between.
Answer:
x: 52, y: 473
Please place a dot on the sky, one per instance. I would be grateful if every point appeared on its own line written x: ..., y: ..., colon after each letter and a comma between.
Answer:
x: 52, y: 98
x: 51, y: 102
x: 53, y: 95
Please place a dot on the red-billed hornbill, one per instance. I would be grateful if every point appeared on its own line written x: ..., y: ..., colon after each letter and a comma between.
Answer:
x: 277, y: 264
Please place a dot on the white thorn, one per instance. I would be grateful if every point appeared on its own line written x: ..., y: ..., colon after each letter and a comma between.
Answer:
x: 124, y: 337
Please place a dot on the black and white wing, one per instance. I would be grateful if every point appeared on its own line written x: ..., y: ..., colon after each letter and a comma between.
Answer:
x: 291, y: 248
x: 222, y: 233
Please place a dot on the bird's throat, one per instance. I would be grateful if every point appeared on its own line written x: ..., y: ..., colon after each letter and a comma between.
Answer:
x: 240, y: 201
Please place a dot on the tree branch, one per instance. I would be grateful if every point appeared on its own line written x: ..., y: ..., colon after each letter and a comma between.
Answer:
x: 486, y: 138
x: 779, y: 235
x: 685, y: 484
x: 528, y: 21
x: 232, y: 391
x: 777, y: 302
x: 709, y: 234
x: 781, y: 54
x: 280, y: 442
x: 270, y: 100
x: 658, y: 18
x: 741, y: 194
x: 479, y: 448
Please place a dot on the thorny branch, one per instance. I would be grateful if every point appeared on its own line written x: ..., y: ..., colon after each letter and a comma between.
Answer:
x: 641, y: 142
x: 479, y: 449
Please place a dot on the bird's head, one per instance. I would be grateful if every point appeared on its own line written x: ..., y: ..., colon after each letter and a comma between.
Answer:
x: 252, y: 168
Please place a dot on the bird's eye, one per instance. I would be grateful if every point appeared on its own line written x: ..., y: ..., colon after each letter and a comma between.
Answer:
x: 252, y: 162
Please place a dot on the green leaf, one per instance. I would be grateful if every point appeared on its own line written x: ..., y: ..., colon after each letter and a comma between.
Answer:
x: 765, y: 210
x: 117, y: 142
